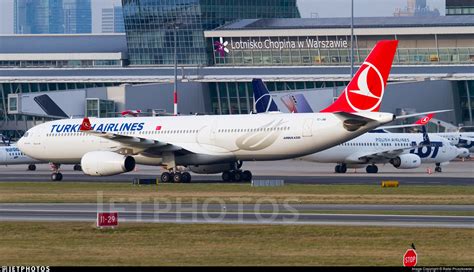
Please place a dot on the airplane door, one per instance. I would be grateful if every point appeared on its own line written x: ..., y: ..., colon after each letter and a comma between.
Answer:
x: 308, y: 128
x: 37, y: 138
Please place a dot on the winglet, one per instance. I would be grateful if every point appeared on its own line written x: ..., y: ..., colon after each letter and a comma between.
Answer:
x: 366, y: 89
x: 85, y: 125
x: 425, y: 120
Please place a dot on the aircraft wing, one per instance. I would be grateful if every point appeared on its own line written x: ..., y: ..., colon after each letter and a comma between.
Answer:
x: 384, y: 155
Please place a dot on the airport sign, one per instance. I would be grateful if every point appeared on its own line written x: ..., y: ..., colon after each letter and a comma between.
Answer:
x: 107, y: 219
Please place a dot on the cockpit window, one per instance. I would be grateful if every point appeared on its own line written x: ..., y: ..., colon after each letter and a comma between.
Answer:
x: 26, y: 134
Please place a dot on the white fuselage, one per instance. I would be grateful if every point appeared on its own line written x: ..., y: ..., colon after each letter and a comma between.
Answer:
x: 357, y: 151
x: 204, y: 139
x: 460, y: 139
x: 10, y: 155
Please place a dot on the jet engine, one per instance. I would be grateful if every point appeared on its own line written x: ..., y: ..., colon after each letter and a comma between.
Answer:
x: 406, y: 161
x: 106, y: 163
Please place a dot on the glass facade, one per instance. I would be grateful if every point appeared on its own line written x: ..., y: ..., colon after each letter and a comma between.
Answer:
x: 77, y: 16
x: 100, y: 108
x: 150, y: 26
x: 38, y: 16
x: 12, y: 88
x: 466, y: 97
x: 52, y: 16
x: 459, y: 7
x: 335, y: 50
x: 112, y: 20
x: 59, y: 63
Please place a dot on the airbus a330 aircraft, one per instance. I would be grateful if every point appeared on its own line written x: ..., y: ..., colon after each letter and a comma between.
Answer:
x: 112, y: 146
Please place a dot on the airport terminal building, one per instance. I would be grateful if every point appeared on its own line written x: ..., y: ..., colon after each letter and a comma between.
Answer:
x: 217, y: 59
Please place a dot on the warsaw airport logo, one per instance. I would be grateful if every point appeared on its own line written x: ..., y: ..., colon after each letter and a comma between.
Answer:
x: 368, y: 93
x: 221, y: 47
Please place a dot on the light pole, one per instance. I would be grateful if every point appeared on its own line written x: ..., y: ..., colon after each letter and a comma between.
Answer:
x: 175, y: 91
x: 352, y: 38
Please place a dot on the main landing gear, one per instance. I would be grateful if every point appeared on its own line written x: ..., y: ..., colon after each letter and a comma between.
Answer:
x: 237, y: 176
x: 438, y: 168
x: 372, y: 169
x: 31, y: 167
x: 56, y: 175
x: 173, y: 175
x: 340, y: 168
x: 176, y: 177
x: 77, y: 167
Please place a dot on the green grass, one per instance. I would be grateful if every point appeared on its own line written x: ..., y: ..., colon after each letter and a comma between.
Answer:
x: 233, y: 193
x: 199, y: 244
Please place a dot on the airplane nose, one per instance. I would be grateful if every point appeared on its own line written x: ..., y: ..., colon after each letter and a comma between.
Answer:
x: 20, y: 143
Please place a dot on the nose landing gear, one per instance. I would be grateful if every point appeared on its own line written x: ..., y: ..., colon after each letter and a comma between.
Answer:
x: 56, y: 175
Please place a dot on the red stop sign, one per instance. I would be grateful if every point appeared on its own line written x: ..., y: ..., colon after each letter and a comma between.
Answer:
x: 409, y: 259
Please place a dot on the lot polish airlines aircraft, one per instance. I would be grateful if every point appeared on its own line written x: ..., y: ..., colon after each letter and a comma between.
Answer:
x: 112, y: 146
x: 402, y: 150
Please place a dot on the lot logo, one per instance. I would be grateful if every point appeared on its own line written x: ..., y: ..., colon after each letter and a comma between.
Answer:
x: 368, y: 93
x: 221, y: 47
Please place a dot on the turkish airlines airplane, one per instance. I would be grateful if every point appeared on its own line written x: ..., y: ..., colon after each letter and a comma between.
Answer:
x: 10, y: 155
x: 109, y: 146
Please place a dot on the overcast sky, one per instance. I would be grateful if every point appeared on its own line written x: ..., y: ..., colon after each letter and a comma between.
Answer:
x: 308, y: 8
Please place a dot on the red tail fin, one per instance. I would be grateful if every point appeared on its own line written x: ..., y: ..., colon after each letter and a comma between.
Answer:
x: 86, y: 125
x: 366, y: 89
x: 425, y: 120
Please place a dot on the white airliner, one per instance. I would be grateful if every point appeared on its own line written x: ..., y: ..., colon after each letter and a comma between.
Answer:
x: 112, y: 146
x: 402, y: 150
x: 11, y: 155
x: 460, y: 139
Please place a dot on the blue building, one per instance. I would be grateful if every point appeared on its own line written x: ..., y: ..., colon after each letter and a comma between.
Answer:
x: 38, y: 16
x: 77, y: 16
x: 112, y: 20
x: 52, y: 16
